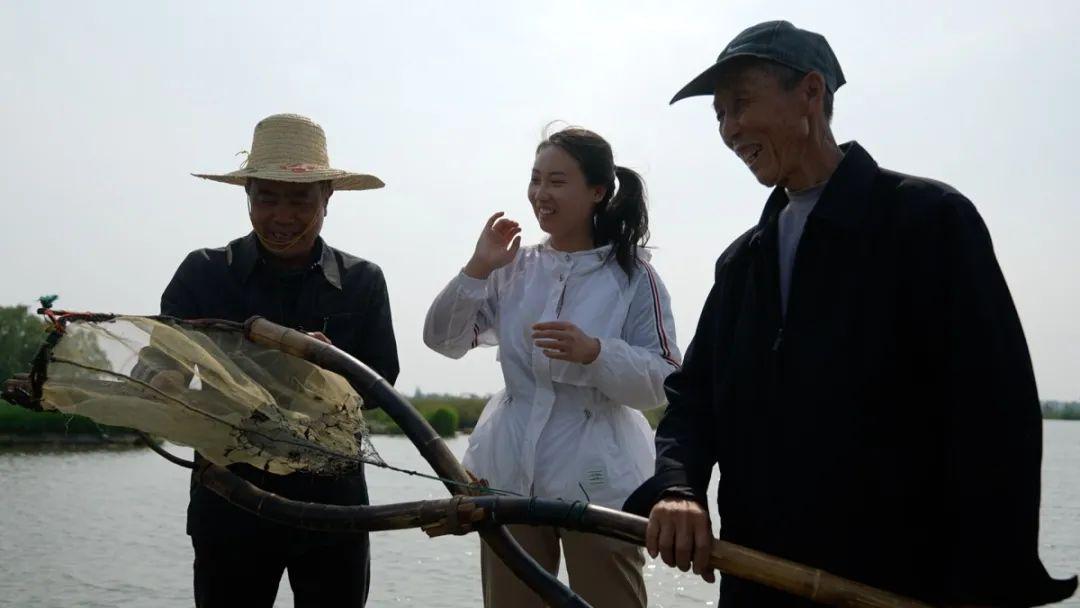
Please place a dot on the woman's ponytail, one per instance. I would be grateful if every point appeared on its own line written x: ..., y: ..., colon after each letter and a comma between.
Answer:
x: 623, y: 220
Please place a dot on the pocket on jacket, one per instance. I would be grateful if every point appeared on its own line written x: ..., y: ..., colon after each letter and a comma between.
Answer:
x: 574, y: 374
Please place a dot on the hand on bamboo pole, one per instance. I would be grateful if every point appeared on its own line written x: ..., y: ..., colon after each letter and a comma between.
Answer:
x: 321, y: 337
x: 680, y: 532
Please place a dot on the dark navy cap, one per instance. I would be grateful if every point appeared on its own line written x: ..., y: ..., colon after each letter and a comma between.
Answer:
x: 778, y: 41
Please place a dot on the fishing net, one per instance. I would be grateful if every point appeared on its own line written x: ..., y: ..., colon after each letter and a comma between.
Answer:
x: 203, y: 385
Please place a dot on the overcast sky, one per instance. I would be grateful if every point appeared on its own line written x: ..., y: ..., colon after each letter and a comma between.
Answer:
x: 108, y: 106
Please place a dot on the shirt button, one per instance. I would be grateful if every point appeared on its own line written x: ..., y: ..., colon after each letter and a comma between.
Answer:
x: 568, y: 257
x: 560, y: 278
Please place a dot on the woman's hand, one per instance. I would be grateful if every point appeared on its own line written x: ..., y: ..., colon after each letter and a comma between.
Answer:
x: 496, y: 247
x: 564, y: 341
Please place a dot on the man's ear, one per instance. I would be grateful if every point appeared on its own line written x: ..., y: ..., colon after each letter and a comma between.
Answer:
x: 328, y: 190
x: 813, y: 85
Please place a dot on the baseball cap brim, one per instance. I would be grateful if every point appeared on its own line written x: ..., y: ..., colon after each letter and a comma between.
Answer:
x: 705, y: 82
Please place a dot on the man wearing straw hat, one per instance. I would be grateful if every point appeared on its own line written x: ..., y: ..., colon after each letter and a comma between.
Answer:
x: 859, y: 374
x: 283, y: 271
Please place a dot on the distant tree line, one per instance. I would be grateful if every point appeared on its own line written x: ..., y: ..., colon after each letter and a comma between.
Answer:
x: 22, y: 332
x: 1061, y: 410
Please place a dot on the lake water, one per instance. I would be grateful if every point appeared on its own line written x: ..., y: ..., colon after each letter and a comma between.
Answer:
x: 105, y: 528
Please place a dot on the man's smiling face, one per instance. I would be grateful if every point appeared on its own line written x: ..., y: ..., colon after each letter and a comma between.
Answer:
x: 762, y: 122
x: 287, y: 216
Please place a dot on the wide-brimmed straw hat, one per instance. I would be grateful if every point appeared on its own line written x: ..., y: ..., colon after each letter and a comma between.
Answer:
x: 292, y: 148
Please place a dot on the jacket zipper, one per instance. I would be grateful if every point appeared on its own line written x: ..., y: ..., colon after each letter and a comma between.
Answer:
x: 562, y: 298
x: 779, y: 341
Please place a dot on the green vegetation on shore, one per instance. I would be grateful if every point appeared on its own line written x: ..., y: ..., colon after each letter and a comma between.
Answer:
x: 21, y: 335
x: 1061, y: 410
x: 17, y: 425
x: 446, y: 413
x: 22, y: 332
x: 467, y: 407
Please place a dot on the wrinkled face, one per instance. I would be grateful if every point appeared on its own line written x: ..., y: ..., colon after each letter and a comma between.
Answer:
x: 561, y: 199
x: 288, y: 217
x: 766, y: 126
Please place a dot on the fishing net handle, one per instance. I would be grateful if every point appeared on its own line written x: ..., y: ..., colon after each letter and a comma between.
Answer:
x: 152, y: 443
x: 376, y: 390
x: 462, y: 514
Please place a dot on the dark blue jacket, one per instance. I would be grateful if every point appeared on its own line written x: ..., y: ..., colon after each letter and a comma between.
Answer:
x: 889, y: 430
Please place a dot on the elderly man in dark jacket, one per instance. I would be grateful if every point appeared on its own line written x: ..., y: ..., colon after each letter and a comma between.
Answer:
x: 285, y: 272
x: 858, y: 373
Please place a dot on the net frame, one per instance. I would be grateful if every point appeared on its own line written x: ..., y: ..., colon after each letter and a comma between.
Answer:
x: 232, y: 400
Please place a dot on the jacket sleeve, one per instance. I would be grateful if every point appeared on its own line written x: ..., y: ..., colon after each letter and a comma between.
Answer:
x: 630, y: 370
x: 993, y: 425
x: 179, y: 300
x: 377, y: 346
x: 684, y: 437
x: 462, y: 316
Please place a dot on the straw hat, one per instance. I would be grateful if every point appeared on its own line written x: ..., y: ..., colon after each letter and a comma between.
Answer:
x: 292, y: 148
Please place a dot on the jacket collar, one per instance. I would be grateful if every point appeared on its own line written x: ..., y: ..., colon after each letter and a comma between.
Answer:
x: 845, y: 200
x: 588, y: 258
x: 245, y: 253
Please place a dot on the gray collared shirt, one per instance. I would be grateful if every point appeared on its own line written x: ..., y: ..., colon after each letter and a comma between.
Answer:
x: 791, y: 224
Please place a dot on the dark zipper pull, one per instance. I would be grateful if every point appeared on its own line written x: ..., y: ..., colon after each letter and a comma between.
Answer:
x: 779, y: 340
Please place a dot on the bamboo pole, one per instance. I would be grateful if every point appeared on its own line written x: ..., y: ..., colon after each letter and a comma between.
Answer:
x: 463, y: 514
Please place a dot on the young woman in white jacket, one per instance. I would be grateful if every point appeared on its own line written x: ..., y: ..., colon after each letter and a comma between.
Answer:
x: 586, y: 337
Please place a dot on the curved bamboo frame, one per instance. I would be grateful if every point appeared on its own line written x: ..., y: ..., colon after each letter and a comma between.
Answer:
x: 375, y: 389
x: 486, y: 514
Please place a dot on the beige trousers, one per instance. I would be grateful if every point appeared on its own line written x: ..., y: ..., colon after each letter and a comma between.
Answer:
x: 605, y: 572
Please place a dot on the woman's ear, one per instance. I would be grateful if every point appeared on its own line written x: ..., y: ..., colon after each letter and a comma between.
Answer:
x: 599, y: 192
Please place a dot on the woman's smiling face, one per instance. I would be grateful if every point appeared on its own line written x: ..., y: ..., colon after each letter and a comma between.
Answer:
x: 562, y: 201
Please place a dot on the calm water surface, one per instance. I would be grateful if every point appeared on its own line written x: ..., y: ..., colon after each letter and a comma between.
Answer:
x: 105, y: 528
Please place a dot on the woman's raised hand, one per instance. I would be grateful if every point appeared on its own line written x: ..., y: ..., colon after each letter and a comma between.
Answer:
x: 496, y: 247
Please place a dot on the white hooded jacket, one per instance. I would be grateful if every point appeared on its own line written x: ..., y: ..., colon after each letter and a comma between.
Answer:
x: 561, y: 429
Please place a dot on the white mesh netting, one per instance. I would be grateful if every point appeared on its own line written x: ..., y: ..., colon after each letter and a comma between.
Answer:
x: 209, y: 388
